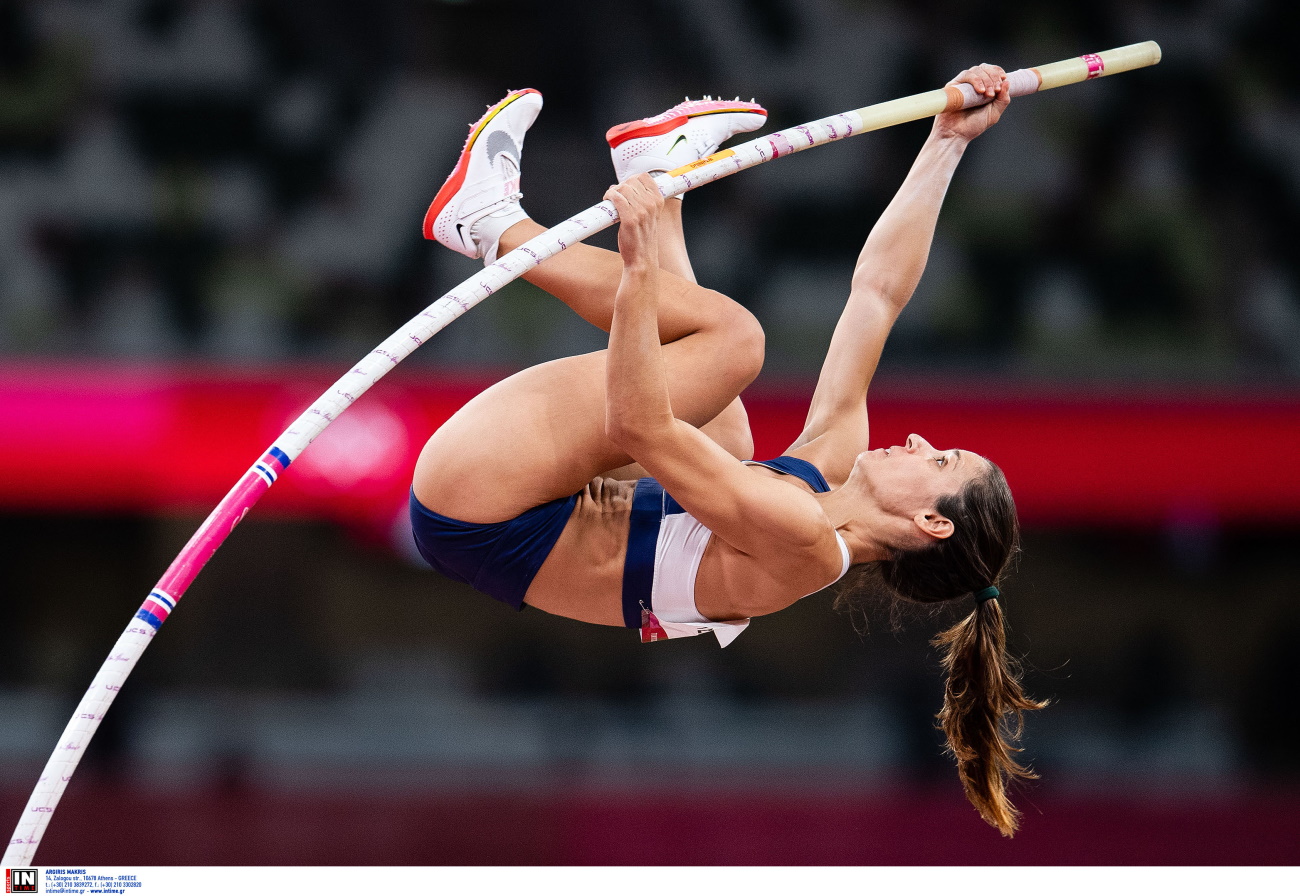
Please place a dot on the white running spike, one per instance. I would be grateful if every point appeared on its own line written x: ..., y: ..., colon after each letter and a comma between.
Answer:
x: 697, y: 129
x: 480, y: 198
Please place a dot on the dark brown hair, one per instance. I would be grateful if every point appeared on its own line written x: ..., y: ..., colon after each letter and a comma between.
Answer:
x: 984, y: 703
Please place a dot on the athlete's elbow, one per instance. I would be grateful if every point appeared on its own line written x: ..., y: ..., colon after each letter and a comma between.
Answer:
x: 629, y: 431
x: 879, y: 288
x: 618, y: 429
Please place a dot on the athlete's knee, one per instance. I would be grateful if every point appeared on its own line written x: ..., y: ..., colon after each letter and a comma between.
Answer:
x: 746, y: 342
x: 730, y: 429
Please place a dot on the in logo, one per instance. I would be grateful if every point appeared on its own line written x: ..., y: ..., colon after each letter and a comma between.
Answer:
x: 22, y: 880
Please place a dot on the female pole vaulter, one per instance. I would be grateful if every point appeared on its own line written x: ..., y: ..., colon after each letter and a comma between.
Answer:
x: 616, y: 488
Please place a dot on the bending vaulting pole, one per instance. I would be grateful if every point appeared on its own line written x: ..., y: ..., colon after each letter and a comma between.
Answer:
x: 293, y: 441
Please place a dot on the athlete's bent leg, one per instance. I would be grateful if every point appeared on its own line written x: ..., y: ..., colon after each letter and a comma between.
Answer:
x: 540, y: 434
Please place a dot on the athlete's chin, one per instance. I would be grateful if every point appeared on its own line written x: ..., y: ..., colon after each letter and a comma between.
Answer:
x: 866, y: 466
x: 870, y: 457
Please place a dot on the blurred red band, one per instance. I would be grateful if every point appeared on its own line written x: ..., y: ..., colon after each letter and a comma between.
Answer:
x: 173, y: 439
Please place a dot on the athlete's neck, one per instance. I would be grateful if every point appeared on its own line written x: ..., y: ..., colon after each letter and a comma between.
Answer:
x: 868, y: 530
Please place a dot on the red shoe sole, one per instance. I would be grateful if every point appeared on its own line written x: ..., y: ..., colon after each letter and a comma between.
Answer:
x: 632, y: 130
x: 456, y: 179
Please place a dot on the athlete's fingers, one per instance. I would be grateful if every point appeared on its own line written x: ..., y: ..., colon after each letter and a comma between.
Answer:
x: 968, y: 76
x: 625, y: 191
x: 984, y: 78
x: 648, y: 191
x: 614, y: 195
x: 1003, y: 99
x: 635, y: 197
x: 977, y: 78
x: 994, y: 76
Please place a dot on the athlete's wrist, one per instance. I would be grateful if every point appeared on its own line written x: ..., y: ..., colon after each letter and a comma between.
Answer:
x: 641, y: 265
x: 944, y: 136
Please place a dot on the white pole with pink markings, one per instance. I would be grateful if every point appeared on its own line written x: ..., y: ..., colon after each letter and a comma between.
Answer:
x: 262, y: 475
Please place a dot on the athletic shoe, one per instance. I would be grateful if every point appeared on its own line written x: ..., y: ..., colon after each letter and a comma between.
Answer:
x: 481, y: 194
x: 685, y: 133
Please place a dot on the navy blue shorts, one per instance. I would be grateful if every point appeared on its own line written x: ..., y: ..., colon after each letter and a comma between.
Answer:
x: 499, y: 559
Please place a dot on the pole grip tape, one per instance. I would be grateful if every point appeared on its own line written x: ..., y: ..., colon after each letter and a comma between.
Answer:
x: 1022, y: 81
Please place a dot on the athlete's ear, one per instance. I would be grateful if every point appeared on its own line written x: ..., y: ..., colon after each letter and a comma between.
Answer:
x: 933, y: 524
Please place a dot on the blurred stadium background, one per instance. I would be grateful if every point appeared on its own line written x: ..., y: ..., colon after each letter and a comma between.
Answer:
x: 209, y: 208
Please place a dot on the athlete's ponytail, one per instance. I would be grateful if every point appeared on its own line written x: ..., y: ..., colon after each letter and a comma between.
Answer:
x: 983, y: 702
x: 983, y: 712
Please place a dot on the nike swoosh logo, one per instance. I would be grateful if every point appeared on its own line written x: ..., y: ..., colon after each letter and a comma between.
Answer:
x: 460, y: 233
x: 499, y: 142
x: 681, y: 138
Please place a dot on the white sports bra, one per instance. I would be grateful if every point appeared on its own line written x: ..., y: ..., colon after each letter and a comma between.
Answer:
x: 681, y: 544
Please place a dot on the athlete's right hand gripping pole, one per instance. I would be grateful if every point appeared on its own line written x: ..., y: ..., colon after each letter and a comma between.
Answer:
x: 909, y: 108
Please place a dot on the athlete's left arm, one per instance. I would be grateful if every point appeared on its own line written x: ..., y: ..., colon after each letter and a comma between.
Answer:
x: 636, y: 380
x: 751, y: 512
x: 889, y: 268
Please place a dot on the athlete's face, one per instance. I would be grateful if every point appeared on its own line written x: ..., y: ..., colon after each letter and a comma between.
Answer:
x: 909, y: 479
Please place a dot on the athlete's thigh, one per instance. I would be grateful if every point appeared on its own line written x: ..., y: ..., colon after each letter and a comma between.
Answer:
x: 540, y: 434
x: 730, y: 429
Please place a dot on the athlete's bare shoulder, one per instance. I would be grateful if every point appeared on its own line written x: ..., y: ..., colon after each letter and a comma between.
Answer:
x: 832, y: 453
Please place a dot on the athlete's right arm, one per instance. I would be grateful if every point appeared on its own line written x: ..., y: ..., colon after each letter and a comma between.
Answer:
x: 888, y: 270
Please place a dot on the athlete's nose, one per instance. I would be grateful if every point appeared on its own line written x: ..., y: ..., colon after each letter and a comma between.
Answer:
x: 916, y: 443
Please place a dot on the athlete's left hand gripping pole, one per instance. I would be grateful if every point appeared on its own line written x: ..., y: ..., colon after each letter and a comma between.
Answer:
x: 293, y: 441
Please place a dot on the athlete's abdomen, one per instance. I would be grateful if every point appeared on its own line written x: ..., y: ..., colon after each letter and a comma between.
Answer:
x: 582, y: 577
